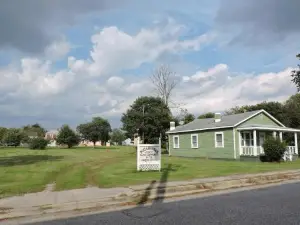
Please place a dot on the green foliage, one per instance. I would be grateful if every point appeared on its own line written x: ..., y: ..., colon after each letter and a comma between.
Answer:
x: 35, y: 130
x: 188, y: 118
x: 38, y: 143
x: 3, y: 130
x: 97, y: 130
x: 274, y: 149
x: 117, y: 136
x: 276, y: 109
x: 296, y: 75
x: 12, y: 137
x: 155, y: 120
x: 206, y: 115
x: 66, y: 136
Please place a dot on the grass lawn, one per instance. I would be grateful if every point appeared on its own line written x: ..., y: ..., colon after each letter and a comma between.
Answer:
x: 23, y: 170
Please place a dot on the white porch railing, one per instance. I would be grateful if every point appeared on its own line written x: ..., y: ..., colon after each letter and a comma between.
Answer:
x: 249, y: 151
x: 291, y: 150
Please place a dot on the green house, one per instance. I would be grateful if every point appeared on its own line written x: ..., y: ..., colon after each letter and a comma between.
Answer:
x: 240, y: 136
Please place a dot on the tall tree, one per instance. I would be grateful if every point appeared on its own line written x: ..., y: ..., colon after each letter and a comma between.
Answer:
x: 292, y: 108
x: 149, y: 117
x: 164, y: 80
x: 117, y: 136
x: 206, y: 115
x: 296, y: 75
x: 66, y: 136
x: 97, y: 130
x: 3, y: 131
x: 34, y: 129
x: 13, y: 137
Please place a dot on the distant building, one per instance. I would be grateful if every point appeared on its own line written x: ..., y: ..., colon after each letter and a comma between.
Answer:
x: 51, y: 137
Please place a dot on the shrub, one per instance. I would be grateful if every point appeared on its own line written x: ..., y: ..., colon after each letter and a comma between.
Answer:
x: 274, y: 149
x: 38, y: 143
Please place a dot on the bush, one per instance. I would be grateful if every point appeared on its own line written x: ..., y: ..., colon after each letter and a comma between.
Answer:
x: 274, y: 149
x: 38, y: 143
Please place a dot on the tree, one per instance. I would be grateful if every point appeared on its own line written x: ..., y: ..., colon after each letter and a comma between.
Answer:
x: 189, y: 118
x: 97, y: 130
x: 66, y: 136
x: 13, y: 137
x: 292, y: 109
x: 3, y: 130
x: 117, y: 136
x: 149, y: 117
x: 35, y: 129
x: 296, y: 75
x: 164, y: 81
x: 276, y: 109
x: 206, y: 115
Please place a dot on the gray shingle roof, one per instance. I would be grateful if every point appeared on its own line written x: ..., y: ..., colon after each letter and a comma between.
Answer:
x: 226, y: 121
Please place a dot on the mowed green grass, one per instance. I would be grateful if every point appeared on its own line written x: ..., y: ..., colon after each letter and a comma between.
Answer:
x: 23, y: 170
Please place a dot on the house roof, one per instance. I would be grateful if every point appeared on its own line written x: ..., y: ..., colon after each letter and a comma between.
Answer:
x: 226, y: 122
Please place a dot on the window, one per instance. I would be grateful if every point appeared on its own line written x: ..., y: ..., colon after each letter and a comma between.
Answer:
x: 176, y: 142
x: 219, y: 140
x: 247, y: 139
x: 194, y: 140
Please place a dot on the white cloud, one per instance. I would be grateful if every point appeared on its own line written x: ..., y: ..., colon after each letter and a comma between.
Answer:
x: 82, y: 89
x: 57, y: 50
x: 218, y: 89
x: 96, y: 86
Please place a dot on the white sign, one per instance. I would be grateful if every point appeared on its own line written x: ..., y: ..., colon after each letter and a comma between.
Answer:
x: 149, y: 156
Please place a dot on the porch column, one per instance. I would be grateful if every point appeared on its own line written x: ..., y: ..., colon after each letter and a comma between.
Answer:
x: 296, y: 143
x: 240, y: 142
x: 254, y: 143
x: 274, y: 134
x: 280, y: 136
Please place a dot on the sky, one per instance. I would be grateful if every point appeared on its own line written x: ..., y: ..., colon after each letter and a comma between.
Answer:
x: 64, y: 62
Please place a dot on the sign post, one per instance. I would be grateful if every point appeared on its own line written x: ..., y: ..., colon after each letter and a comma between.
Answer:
x: 148, y: 156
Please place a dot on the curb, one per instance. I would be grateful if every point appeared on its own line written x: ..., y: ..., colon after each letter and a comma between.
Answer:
x: 168, y: 191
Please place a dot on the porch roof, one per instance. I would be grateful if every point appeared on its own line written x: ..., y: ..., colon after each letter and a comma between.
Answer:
x: 267, y: 127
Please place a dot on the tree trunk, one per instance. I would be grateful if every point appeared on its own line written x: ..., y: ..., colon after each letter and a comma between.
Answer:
x: 94, y: 142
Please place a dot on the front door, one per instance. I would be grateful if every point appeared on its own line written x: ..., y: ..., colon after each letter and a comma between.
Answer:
x: 261, y: 141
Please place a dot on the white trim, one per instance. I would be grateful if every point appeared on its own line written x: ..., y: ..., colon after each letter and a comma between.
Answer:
x: 296, y: 143
x: 194, y: 135
x: 254, y: 143
x: 270, y: 128
x: 176, y: 136
x: 216, y: 133
x: 255, y: 114
x: 234, y: 147
x: 201, y: 129
x: 240, y: 142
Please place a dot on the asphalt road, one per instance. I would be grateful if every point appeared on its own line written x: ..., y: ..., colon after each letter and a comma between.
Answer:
x: 275, y: 205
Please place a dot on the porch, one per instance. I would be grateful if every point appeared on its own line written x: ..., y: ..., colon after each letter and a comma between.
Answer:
x: 251, y: 140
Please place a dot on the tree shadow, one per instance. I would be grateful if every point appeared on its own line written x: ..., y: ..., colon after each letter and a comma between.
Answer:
x: 26, y: 159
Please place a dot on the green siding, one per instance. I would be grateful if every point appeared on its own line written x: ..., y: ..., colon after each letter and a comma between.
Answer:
x: 260, y: 119
x: 206, y: 145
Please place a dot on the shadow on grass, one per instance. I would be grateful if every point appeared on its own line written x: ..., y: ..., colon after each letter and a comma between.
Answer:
x: 26, y: 159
